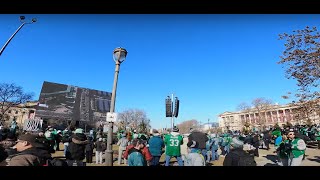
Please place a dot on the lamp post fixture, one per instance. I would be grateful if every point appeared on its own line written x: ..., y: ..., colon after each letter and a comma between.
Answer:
x: 22, y: 18
x: 119, y: 55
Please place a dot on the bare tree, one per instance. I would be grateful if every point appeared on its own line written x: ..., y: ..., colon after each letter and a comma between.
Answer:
x: 261, y: 105
x: 244, y: 107
x: 10, y: 95
x: 301, y: 59
x: 185, y: 126
x: 135, y: 119
x: 304, y: 111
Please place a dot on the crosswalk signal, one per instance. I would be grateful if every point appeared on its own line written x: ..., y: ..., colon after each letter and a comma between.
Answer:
x: 168, y: 107
x: 176, y: 107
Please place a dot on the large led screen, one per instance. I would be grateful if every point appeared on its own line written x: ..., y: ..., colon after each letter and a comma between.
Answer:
x: 72, y: 103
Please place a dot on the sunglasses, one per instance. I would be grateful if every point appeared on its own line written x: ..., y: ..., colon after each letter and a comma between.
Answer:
x: 290, y: 134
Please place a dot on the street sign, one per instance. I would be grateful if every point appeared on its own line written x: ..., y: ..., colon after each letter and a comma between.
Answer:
x: 111, y: 117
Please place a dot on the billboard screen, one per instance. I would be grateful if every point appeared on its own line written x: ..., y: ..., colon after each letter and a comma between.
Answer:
x: 72, y: 103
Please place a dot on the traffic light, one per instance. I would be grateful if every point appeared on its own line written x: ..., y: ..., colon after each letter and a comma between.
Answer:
x: 176, y: 107
x: 168, y: 107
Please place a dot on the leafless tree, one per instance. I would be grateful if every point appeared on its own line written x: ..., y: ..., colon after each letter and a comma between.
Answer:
x: 10, y: 95
x: 244, y: 107
x: 301, y: 59
x: 261, y: 105
x: 185, y: 126
x: 304, y: 111
x: 134, y: 119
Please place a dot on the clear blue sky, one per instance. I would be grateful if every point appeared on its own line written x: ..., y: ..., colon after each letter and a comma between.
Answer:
x: 211, y: 62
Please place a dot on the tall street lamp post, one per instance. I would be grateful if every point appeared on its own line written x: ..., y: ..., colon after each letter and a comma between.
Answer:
x: 22, y: 18
x: 119, y: 55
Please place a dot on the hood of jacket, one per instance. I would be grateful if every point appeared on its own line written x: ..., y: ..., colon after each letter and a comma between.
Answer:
x: 43, y: 154
x: 175, y: 133
x: 79, y: 138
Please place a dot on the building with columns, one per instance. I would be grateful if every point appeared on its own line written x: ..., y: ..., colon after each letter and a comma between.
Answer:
x: 275, y: 114
x: 21, y: 112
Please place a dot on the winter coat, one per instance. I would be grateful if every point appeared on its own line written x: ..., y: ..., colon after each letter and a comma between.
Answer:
x: 30, y: 157
x: 100, y: 146
x: 145, y: 152
x: 256, y: 141
x: 233, y: 157
x: 77, y: 147
x: 155, y: 145
x: 123, y: 143
x: 136, y: 158
x: 194, y: 158
x: 89, y: 146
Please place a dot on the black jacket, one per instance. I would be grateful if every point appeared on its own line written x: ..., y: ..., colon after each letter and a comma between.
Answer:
x: 233, y: 157
x: 77, y: 147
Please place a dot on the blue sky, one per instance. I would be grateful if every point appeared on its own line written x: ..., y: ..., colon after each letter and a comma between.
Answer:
x: 212, y: 63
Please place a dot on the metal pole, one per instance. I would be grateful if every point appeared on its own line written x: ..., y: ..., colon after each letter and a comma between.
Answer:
x: 109, y: 151
x: 6, y: 44
x: 172, y: 123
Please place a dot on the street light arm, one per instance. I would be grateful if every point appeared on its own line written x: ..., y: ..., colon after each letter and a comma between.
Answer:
x: 6, y: 44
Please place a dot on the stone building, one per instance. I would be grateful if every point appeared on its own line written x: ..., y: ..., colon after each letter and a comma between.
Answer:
x: 21, y: 112
x: 256, y: 119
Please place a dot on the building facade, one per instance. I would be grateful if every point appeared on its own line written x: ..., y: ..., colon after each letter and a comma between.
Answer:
x: 21, y: 112
x: 256, y: 119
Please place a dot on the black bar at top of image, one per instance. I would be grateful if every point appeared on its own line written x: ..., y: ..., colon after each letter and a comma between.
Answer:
x: 160, y: 7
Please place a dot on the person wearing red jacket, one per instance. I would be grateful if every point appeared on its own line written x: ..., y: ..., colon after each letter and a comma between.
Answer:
x: 145, y: 151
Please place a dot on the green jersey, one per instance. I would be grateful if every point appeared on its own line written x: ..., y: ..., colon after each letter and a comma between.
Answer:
x: 298, y: 147
x: 173, y: 143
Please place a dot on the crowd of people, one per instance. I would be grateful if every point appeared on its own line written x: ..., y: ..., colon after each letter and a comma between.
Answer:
x: 139, y: 149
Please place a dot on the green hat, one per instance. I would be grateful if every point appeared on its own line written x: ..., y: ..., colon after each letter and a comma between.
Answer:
x: 276, y: 133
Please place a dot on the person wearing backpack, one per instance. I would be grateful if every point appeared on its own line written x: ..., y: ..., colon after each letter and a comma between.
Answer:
x: 237, y: 156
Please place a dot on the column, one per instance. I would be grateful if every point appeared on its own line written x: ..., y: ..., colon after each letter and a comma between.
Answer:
x: 278, y: 116
x: 266, y: 118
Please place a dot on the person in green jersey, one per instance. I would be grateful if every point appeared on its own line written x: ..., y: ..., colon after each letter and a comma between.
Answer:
x: 298, y: 147
x: 173, y: 141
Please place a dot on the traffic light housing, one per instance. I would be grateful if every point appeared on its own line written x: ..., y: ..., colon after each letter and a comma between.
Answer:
x: 168, y: 107
x: 176, y: 107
